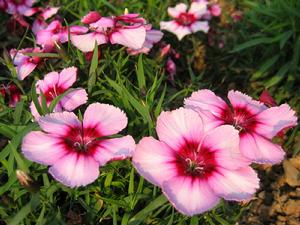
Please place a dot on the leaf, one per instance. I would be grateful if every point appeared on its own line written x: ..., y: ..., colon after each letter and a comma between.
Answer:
x: 22, y: 214
x: 55, y: 101
x: 279, y: 76
x: 265, y: 67
x: 144, y: 213
x: 42, y: 55
x: 140, y: 73
x: 131, y: 182
x: 93, y: 68
x: 18, y: 112
x: 35, y: 99
x: 194, y: 220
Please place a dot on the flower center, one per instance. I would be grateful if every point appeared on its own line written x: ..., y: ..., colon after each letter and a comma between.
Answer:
x: 241, y: 118
x: 53, y: 92
x: 82, y: 140
x: 186, y: 19
x: 194, y: 161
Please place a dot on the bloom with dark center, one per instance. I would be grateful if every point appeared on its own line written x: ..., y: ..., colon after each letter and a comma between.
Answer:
x: 75, y: 149
x: 22, y: 7
x: 55, y: 84
x: 195, y: 168
x: 186, y: 22
x: 257, y: 124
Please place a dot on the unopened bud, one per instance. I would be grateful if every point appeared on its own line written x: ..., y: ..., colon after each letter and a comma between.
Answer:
x: 26, y: 181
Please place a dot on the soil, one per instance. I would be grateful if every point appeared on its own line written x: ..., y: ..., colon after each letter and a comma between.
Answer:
x: 278, y: 201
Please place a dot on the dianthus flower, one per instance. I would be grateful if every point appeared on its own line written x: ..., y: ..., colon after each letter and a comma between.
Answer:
x: 195, y: 167
x: 75, y: 149
x: 257, y: 124
x: 55, y: 84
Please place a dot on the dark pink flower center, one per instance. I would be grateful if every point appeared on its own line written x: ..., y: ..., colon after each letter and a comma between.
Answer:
x: 81, y: 140
x: 53, y: 92
x: 194, y: 161
x: 241, y: 118
x: 18, y: 2
x: 185, y: 19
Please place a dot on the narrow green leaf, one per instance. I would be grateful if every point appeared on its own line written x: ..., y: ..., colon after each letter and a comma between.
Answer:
x: 144, y: 213
x: 93, y: 68
x: 140, y: 73
x: 55, y: 101
x: 194, y: 220
x: 18, y: 112
x: 35, y: 99
x: 131, y: 182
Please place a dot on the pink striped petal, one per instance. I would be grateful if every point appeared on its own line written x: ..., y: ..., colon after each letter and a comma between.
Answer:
x: 190, y: 196
x: 224, y: 141
x: 42, y: 148
x: 74, y: 99
x: 86, y: 42
x: 151, y: 157
x: 206, y: 100
x: 25, y: 69
x: 259, y: 149
x: 103, y: 24
x: 177, y: 10
x: 78, y: 30
x: 106, y: 119
x: 240, y: 100
x: 67, y: 77
x: 274, y: 119
x: 235, y: 185
x: 177, y: 127
x: 38, y: 25
x: 114, y: 149
x: 49, y: 12
x: 59, y: 123
x: 131, y: 37
x: 175, y: 28
x: 75, y: 170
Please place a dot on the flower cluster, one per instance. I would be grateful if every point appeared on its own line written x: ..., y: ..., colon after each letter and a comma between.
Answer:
x: 204, y: 149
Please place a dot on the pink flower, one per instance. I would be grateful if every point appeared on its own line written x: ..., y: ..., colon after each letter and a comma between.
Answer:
x: 55, y: 84
x: 267, y: 99
x: 127, y: 30
x: 56, y: 33
x: 256, y: 123
x: 152, y: 37
x: 3, y: 5
x: 184, y: 22
x: 40, y: 22
x: 215, y: 10
x: 12, y: 92
x: 22, y: 7
x: 75, y: 149
x: 171, y: 69
x: 25, y: 64
x: 194, y: 168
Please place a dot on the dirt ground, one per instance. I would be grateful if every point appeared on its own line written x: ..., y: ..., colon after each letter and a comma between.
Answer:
x: 278, y: 201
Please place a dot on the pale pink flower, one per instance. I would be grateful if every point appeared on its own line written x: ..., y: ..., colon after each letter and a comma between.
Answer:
x: 40, y: 22
x: 55, y: 32
x: 127, y: 30
x: 257, y: 124
x: 215, y: 10
x: 25, y: 64
x: 186, y: 22
x: 152, y: 37
x: 55, y: 84
x: 75, y: 149
x: 195, y: 168
x: 22, y: 7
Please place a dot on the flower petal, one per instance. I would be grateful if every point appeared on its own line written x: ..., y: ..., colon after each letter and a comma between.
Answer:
x: 200, y: 26
x: 175, y: 11
x: 190, y: 196
x: 91, y: 17
x: 59, y: 123
x: 206, y: 100
x: 67, y: 77
x: 86, y: 42
x: 130, y: 37
x: 114, y: 149
x: 50, y: 80
x: 106, y: 119
x: 235, y: 185
x: 177, y: 127
x: 240, y: 100
x: 42, y: 148
x: 173, y: 27
x: 25, y: 69
x: 198, y: 9
x: 74, y: 99
x: 224, y: 142
x: 259, y: 149
x: 75, y: 170
x: 151, y: 157
x: 274, y: 119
